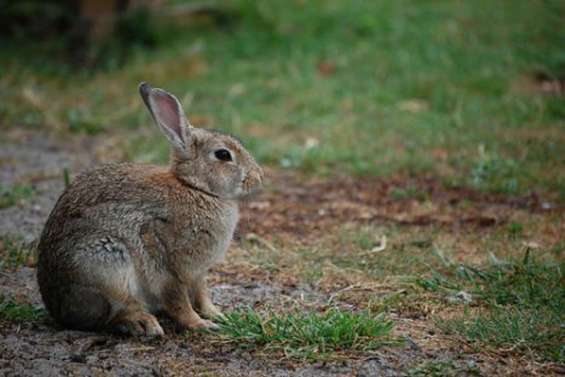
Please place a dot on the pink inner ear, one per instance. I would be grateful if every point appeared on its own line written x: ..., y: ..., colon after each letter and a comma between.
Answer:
x: 167, y: 112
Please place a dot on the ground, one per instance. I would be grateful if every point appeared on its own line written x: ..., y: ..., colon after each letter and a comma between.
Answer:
x: 280, y: 233
x: 412, y: 218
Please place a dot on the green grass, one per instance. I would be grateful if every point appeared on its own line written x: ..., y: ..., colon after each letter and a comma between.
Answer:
x: 522, y: 305
x: 527, y: 283
x: 307, y: 335
x: 10, y: 196
x: 513, y: 329
x: 362, y: 87
x: 13, y: 311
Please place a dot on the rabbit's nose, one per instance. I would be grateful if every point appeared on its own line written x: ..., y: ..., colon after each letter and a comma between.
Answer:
x: 257, y: 177
x: 254, y: 180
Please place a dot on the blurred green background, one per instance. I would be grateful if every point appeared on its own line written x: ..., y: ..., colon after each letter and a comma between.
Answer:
x: 470, y: 92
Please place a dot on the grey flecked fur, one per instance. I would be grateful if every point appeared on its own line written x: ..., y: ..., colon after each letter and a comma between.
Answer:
x: 126, y: 241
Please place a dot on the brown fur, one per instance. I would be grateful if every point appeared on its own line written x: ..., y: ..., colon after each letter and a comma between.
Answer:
x: 126, y: 241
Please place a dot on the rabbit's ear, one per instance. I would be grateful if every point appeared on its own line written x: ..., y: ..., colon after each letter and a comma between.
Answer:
x: 167, y: 112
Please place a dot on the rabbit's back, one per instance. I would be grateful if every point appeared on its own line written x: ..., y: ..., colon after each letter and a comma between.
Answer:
x: 114, y: 198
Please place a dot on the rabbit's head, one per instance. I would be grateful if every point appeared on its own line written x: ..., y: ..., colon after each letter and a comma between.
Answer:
x: 206, y: 160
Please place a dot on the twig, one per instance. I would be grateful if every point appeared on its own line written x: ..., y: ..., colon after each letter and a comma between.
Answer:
x: 252, y: 237
x: 381, y: 246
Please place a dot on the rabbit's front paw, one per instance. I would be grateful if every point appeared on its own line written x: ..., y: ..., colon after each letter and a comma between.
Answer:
x: 204, y: 324
x: 210, y: 311
x: 138, y: 324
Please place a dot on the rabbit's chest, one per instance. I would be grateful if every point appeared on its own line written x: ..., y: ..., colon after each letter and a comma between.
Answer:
x: 207, y: 243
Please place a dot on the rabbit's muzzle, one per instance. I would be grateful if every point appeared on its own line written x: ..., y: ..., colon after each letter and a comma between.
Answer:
x: 253, y: 182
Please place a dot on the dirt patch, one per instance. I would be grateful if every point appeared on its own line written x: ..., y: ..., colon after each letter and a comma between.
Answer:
x: 550, y: 84
x: 541, y: 83
x: 309, y: 207
x: 37, y: 161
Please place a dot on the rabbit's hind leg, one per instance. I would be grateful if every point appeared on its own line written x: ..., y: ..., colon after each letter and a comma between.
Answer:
x: 82, y: 308
x: 116, y: 275
x: 108, y: 305
x: 103, y: 291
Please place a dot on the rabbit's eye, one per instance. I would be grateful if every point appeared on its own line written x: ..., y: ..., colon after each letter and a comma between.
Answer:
x: 223, y: 155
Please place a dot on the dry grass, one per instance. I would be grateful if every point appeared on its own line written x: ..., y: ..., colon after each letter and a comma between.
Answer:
x: 337, y: 257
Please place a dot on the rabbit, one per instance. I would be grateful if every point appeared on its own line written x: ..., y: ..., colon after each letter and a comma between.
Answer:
x: 127, y: 241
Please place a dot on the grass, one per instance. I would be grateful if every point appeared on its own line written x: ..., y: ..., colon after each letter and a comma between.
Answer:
x: 408, y: 252
x: 10, y: 196
x: 310, y: 336
x: 348, y: 251
x: 14, y: 253
x: 522, y: 305
x: 517, y: 298
x: 409, y: 192
x: 379, y: 87
x: 513, y: 330
x: 527, y: 283
x: 13, y: 311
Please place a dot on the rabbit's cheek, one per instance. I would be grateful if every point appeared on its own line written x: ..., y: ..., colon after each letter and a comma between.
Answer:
x: 239, y: 192
x: 233, y: 182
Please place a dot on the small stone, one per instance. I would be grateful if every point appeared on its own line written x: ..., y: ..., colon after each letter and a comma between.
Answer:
x: 546, y: 206
x: 78, y: 358
x: 460, y: 297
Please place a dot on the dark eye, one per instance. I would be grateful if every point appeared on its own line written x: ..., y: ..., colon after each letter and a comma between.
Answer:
x: 223, y: 155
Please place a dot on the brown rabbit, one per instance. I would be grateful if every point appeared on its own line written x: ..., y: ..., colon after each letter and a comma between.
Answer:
x: 126, y: 241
